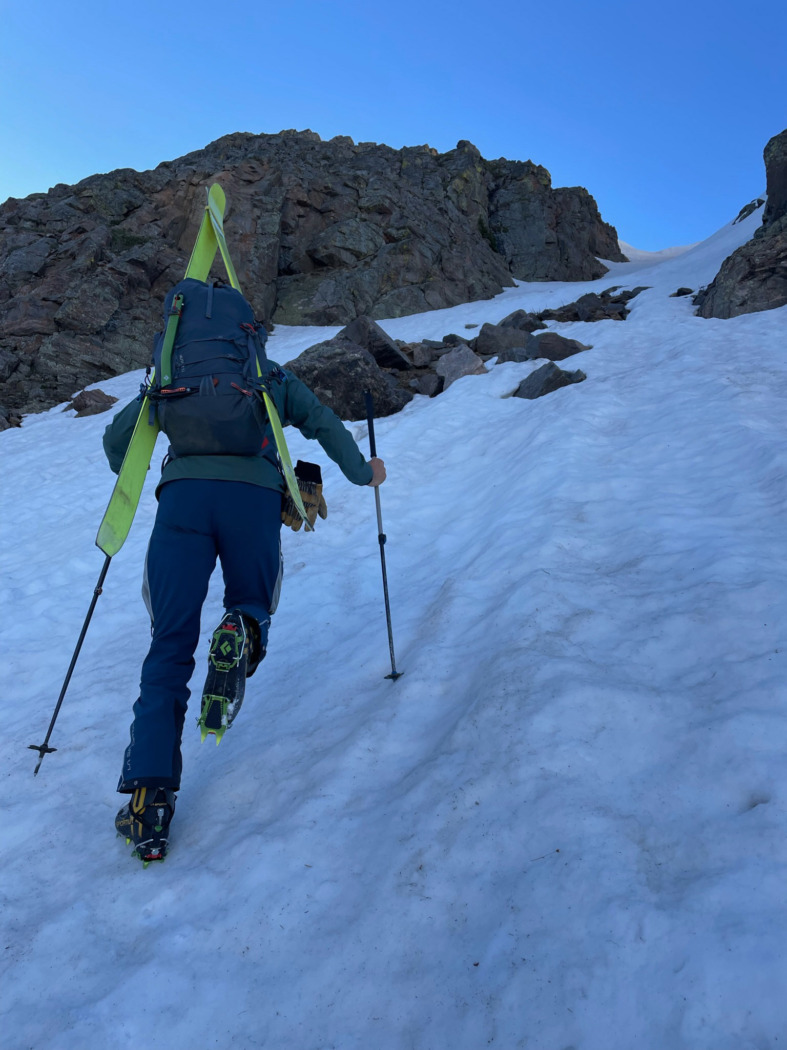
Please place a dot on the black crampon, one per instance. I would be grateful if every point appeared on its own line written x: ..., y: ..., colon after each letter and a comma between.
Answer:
x: 231, y: 651
x: 145, y: 820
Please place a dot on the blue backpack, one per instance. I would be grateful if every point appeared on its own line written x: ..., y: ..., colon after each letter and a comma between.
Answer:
x: 210, y: 369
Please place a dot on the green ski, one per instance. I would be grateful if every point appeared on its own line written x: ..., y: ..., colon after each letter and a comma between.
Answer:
x: 216, y: 218
x: 124, y: 500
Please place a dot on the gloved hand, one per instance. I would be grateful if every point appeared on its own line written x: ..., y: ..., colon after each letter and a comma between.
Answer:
x: 310, y: 485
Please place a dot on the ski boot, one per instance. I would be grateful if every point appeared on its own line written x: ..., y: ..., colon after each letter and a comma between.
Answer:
x: 234, y: 655
x: 145, y: 822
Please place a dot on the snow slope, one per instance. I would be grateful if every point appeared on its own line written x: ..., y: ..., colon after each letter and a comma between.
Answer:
x: 564, y: 827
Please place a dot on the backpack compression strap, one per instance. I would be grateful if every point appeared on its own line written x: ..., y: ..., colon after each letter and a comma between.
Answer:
x: 169, y: 341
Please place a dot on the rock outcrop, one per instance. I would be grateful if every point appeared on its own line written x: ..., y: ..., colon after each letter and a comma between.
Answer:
x: 321, y: 233
x: 754, y: 277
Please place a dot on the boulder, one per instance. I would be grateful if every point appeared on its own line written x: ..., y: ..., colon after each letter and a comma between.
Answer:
x: 493, y: 339
x: 91, y: 403
x: 340, y: 372
x: 363, y: 331
x: 457, y: 363
x: 681, y: 291
x: 545, y: 380
x: 552, y: 346
x: 428, y: 384
x: 522, y: 321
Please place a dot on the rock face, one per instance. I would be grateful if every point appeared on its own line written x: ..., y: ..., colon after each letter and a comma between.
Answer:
x: 754, y: 277
x: 321, y: 232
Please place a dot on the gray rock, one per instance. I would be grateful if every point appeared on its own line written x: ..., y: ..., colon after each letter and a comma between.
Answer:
x: 680, y: 292
x: 457, y: 363
x: 493, y: 339
x: 522, y: 321
x: 545, y: 380
x: 747, y: 209
x: 363, y: 331
x: 423, y: 355
x: 339, y: 373
x: 429, y: 384
x: 552, y: 346
x: 91, y: 403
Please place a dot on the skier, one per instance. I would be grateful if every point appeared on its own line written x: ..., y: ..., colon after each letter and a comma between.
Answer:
x: 231, y: 507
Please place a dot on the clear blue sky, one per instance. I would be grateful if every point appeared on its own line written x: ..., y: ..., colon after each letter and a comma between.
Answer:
x: 661, y: 110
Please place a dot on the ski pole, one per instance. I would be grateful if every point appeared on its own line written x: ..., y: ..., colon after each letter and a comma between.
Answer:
x: 381, y: 536
x: 45, y: 749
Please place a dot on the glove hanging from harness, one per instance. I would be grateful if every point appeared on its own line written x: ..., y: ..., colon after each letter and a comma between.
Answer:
x: 310, y: 485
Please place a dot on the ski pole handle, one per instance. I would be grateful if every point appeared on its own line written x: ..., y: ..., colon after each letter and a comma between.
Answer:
x: 370, y: 420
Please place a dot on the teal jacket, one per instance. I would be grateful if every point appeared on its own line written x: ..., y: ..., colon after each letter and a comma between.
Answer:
x: 296, y: 405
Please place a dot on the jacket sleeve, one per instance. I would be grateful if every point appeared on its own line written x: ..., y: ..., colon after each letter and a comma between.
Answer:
x: 315, y: 420
x: 117, y: 436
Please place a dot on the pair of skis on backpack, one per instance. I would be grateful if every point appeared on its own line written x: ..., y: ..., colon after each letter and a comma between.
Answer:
x: 122, y: 506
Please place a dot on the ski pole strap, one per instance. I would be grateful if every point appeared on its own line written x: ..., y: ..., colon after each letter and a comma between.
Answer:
x: 169, y: 340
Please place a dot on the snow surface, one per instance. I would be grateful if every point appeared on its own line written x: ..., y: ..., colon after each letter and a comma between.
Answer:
x: 563, y: 829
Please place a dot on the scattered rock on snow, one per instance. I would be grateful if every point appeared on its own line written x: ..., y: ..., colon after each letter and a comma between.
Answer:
x: 493, y: 339
x: 545, y: 380
x: 522, y: 321
x: 363, y: 331
x: 552, y: 346
x: 457, y: 363
x: 609, y: 305
x: 91, y: 402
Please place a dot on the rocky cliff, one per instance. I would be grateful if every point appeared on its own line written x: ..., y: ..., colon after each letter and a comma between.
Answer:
x: 321, y: 232
x: 755, y: 276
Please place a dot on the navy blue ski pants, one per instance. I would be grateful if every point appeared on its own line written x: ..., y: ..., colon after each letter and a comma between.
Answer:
x: 197, y: 522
